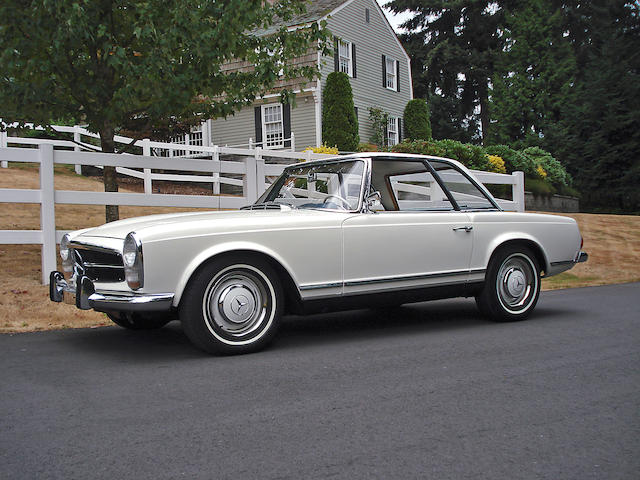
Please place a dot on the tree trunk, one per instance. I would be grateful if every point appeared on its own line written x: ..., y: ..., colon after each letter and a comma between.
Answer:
x: 483, y: 93
x: 109, y: 175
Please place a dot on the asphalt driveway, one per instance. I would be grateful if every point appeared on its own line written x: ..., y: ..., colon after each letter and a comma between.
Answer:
x: 425, y: 391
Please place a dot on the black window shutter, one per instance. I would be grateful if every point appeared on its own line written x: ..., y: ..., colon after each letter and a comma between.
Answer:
x: 258, y: 119
x: 353, y: 59
x: 286, y: 122
x: 385, y: 140
x: 397, y: 75
x: 355, y: 109
x: 384, y: 71
x: 336, y: 59
x: 399, y: 129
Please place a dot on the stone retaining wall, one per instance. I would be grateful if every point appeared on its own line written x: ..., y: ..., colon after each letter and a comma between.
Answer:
x: 555, y: 203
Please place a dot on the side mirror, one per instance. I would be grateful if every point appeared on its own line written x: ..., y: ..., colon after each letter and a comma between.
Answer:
x: 373, y: 199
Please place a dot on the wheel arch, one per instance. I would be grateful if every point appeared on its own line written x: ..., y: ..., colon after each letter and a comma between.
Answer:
x: 247, y: 250
x: 524, y: 240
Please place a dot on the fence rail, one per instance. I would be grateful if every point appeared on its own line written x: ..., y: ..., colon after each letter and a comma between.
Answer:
x: 246, y: 171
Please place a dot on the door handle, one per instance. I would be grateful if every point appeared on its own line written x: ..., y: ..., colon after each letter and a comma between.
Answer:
x: 466, y: 228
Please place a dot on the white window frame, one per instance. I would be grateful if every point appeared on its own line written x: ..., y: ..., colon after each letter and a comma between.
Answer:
x: 265, y: 143
x: 393, y: 134
x: 391, y: 74
x: 347, y: 58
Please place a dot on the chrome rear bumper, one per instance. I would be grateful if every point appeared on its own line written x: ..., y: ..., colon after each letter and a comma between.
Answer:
x: 582, y: 257
x: 85, y: 297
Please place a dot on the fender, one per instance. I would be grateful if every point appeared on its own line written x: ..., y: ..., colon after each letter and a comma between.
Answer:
x: 496, y: 242
x: 222, y: 248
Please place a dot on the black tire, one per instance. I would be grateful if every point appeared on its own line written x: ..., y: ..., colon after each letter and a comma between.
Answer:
x: 136, y: 321
x: 232, y: 305
x: 512, y: 285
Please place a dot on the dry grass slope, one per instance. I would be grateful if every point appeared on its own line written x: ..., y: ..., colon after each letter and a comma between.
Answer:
x: 612, y: 241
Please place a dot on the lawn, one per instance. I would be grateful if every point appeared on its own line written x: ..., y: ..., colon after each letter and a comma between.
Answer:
x: 612, y: 241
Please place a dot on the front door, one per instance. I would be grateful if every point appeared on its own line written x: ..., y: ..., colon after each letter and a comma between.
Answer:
x: 399, y: 250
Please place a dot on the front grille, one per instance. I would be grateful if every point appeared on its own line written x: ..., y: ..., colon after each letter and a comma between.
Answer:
x: 99, y: 265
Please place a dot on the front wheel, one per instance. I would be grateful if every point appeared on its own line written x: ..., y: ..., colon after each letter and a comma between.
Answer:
x: 512, y: 285
x: 232, y: 306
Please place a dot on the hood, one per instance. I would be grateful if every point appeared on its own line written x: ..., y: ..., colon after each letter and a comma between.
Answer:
x: 166, y: 224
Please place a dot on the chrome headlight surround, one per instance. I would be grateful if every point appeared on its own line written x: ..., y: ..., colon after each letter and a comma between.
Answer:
x: 132, y: 260
x: 66, y: 254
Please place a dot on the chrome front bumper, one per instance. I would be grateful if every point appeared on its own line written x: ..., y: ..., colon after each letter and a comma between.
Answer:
x: 84, y: 296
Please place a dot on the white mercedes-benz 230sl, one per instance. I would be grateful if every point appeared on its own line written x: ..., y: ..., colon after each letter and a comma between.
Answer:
x: 359, y: 230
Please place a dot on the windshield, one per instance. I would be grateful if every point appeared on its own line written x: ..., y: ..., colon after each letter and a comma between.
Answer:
x: 332, y: 186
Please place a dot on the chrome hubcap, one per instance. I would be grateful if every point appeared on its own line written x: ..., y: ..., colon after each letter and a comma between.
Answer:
x: 236, y: 303
x: 517, y: 283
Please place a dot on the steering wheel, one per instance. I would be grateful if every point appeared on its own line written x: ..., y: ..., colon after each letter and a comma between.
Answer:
x: 345, y: 205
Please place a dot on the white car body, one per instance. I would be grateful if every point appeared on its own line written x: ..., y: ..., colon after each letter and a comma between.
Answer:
x: 326, y: 254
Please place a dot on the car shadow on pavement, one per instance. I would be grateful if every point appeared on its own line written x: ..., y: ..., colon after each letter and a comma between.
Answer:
x: 300, y: 331
x: 409, y: 319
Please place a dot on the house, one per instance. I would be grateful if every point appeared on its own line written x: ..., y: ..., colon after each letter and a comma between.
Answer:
x: 366, y: 49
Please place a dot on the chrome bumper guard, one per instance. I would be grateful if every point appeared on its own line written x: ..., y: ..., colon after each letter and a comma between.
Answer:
x: 85, y: 297
x: 581, y: 257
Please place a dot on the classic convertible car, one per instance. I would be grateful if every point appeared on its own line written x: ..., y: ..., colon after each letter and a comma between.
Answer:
x: 358, y: 230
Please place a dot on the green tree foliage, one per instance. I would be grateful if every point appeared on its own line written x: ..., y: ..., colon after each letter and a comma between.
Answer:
x: 143, y: 66
x: 533, y: 78
x: 598, y: 136
x: 417, y: 124
x: 513, y: 159
x: 339, y: 122
x: 452, y: 44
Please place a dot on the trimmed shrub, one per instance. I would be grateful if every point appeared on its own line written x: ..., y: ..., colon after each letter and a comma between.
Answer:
x: 550, y: 168
x: 513, y: 160
x: 417, y: 123
x: 339, y: 122
x: 322, y: 149
x: 496, y: 164
x: 471, y: 156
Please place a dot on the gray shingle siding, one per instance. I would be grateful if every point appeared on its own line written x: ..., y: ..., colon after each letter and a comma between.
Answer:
x: 238, y: 128
x: 372, y: 40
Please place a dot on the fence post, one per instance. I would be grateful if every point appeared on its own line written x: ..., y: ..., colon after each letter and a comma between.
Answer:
x: 293, y: 142
x: 261, y: 184
x: 308, y: 152
x: 518, y: 191
x: 146, y: 151
x: 77, y: 138
x: 249, y: 188
x: 3, y: 144
x: 250, y: 143
x: 216, y: 170
x: 47, y: 211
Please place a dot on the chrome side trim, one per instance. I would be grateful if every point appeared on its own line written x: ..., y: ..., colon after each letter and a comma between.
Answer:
x: 421, y: 276
x: 316, y: 286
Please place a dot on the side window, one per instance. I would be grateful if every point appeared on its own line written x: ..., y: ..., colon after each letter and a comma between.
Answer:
x: 463, y: 191
x: 418, y: 192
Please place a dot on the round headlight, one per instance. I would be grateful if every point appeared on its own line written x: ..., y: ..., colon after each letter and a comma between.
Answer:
x: 64, y: 248
x: 132, y: 260
x: 130, y: 251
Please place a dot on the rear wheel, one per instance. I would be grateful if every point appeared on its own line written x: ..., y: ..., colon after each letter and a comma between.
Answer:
x: 232, y: 306
x: 136, y: 321
x: 512, y: 285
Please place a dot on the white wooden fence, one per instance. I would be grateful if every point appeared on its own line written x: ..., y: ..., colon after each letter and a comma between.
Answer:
x: 247, y: 170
